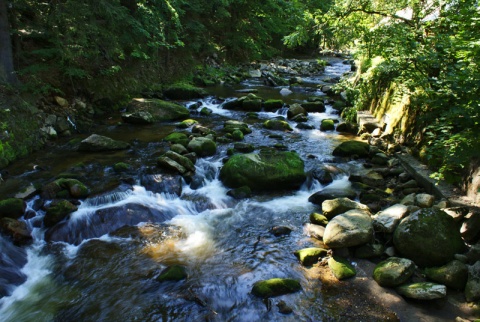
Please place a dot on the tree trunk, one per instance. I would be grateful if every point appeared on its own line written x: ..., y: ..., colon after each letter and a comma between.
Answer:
x: 7, y: 71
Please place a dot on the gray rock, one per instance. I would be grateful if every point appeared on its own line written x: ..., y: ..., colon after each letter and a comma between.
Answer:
x: 408, y: 200
x: 331, y: 208
x: 315, y: 231
x: 429, y: 237
x: 423, y: 291
x: 424, y: 200
x: 472, y: 288
x: 470, y: 229
x: 98, y: 143
x: 388, y: 219
x: 328, y: 193
x: 138, y: 117
x: 393, y: 271
x: 352, y: 228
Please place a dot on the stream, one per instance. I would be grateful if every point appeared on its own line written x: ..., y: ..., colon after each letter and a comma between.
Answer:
x: 107, y: 268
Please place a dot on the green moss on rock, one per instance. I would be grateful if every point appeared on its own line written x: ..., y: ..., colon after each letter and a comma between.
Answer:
x: 341, y: 268
x: 393, y: 271
x: 57, y: 211
x: 275, y: 287
x: 272, y: 105
x: 161, y: 111
x: 309, y: 256
x: 173, y: 273
x: 12, y: 208
x: 327, y: 125
x: 352, y: 148
x: 177, y: 138
x: 184, y: 91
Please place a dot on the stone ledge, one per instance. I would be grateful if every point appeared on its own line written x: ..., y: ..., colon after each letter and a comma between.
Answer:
x: 441, y: 189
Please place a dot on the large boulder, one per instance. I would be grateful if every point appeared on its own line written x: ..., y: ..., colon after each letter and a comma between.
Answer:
x: 98, y: 143
x: 275, y: 287
x: 162, y: 183
x: 351, y: 149
x: 393, y: 271
x: 327, y: 125
x: 267, y: 170
x: 352, y: 228
x: 295, y: 110
x: 65, y: 188
x: 16, y: 230
x: 202, y: 146
x: 333, y: 207
x: 176, y: 162
x: 12, y: 208
x: 183, y: 91
x: 138, y: 117
x: 161, y: 111
x: 57, y: 211
x: 429, y: 237
x: 277, y: 125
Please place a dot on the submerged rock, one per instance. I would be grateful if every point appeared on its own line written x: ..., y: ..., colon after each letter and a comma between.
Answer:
x: 173, y: 273
x: 275, y: 287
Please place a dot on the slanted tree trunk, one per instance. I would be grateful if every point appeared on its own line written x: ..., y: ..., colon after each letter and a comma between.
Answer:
x: 7, y: 71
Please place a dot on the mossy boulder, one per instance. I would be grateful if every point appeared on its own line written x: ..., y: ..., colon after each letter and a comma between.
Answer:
x: 176, y: 162
x: 454, y: 274
x: 177, y: 138
x: 138, y: 117
x: 173, y: 273
x: 309, y: 256
x: 57, y: 211
x: 12, y: 208
x: 202, y: 146
x: 341, y: 268
x: 423, y: 291
x: 252, y: 104
x: 277, y: 125
x: 294, y: 110
x: 65, y: 188
x: 275, y: 287
x: 99, y: 143
x: 237, y: 135
x: 187, y: 123
x: 272, y: 105
x: 429, y: 237
x: 121, y: 167
x: 161, y: 111
x: 393, y: 271
x: 268, y: 170
x: 183, y: 91
x: 327, y: 125
x: 351, y: 149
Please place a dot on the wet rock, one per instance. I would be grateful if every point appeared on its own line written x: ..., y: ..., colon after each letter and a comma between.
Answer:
x: 203, y: 147
x: 277, y: 125
x: 331, y: 208
x: 278, y: 231
x: 318, y: 219
x: 388, y: 219
x: 472, y: 288
x: 202, y: 130
x: 251, y: 103
x: 237, y: 135
x: 268, y: 170
x: 162, y: 183
x: 176, y: 162
x: 272, y: 105
x: 187, y: 123
x: 105, y: 220
x: 173, y: 273
x: 453, y: 275
x: 424, y: 200
x: 323, y: 175
x: 309, y: 256
x: 327, y: 125
x: 380, y: 159
x: 57, y: 211
x: 283, y: 308
x: 422, y: 291
x: 99, y: 143
x: 328, y: 193
x: 429, y: 237
x: 178, y: 148
x: 351, y: 149
x: 244, y: 147
x: 352, y: 228
x: 314, y: 107
x: 341, y: 268
x: 12, y: 208
x: 232, y: 125
x: 13, y: 259
x: 347, y: 127
x: 295, y: 110
x: 16, y: 230
x: 120, y: 167
x: 393, y: 271
x: 240, y: 193
x: 275, y: 287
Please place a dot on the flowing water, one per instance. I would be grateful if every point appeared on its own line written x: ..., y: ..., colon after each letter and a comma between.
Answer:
x: 105, y: 267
